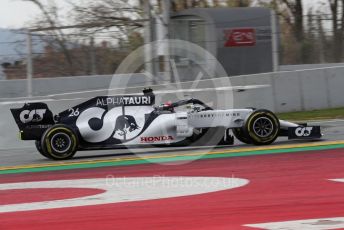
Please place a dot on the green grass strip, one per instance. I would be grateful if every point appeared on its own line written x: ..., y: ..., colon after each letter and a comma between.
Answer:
x: 167, y: 159
x: 323, y: 114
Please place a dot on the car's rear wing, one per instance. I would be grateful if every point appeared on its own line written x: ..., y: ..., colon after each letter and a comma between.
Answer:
x: 33, y: 119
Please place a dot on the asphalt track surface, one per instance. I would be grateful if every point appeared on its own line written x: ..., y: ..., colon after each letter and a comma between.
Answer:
x: 290, y: 181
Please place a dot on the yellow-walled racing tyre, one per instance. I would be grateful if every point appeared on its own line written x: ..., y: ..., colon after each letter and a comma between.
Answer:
x: 39, y: 148
x: 262, y: 127
x: 240, y: 134
x: 59, y: 143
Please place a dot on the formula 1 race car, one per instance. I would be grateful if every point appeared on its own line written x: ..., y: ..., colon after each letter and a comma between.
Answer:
x: 130, y: 121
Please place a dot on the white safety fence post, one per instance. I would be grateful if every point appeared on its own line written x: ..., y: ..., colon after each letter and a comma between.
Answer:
x: 29, y: 65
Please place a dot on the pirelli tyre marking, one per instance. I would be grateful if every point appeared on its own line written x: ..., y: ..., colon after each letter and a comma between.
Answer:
x: 262, y: 127
x: 59, y: 143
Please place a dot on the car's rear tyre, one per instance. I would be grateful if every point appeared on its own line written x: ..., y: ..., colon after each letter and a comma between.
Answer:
x: 39, y: 148
x: 262, y: 127
x: 59, y: 143
x: 240, y: 134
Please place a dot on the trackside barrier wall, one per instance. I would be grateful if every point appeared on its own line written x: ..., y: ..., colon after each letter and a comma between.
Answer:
x: 48, y: 86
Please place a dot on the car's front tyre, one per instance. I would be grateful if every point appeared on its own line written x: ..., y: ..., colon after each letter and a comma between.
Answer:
x: 262, y: 127
x: 59, y: 143
x: 240, y: 134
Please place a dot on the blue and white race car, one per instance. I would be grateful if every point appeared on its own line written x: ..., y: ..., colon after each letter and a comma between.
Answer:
x: 129, y: 121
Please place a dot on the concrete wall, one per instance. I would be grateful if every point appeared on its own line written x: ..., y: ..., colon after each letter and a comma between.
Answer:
x: 288, y: 91
x: 309, y: 66
x: 297, y: 90
x: 48, y: 86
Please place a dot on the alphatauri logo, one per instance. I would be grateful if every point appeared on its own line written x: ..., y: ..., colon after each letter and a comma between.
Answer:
x: 303, y: 131
x: 36, y: 115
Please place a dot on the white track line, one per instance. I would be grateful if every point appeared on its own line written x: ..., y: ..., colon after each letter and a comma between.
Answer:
x: 309, y: 224
x: 124, y: 189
